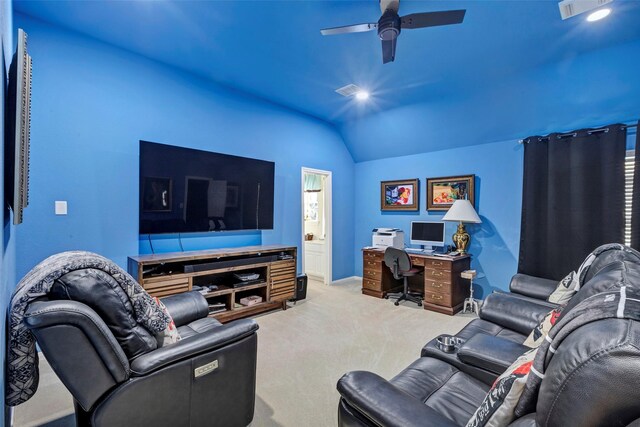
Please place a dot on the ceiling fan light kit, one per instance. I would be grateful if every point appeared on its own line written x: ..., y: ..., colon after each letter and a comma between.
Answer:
x: 391, y: 24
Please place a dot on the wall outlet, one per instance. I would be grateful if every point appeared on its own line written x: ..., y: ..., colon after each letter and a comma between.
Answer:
x: 61, y: 207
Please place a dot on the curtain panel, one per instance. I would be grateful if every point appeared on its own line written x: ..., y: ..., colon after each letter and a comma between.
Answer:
x: 312, y: 183
x: 573, y: 198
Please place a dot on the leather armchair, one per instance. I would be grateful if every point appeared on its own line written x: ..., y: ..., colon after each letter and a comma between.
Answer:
x: 206, y: 379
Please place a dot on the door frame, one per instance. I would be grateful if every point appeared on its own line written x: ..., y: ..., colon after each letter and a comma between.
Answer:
x: 328, y: 218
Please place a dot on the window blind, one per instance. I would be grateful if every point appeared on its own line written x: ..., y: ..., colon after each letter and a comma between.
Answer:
x: 629, y: 166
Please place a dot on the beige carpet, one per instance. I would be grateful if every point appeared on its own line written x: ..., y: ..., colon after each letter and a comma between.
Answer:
x: 302, y: 352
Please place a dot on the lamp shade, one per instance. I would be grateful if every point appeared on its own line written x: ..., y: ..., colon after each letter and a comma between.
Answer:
x: 463, y: 211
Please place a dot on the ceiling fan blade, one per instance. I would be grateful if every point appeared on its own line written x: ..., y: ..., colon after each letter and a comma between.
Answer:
x: 358, y: 28
x: 389, y: 50
x: 432, y: 19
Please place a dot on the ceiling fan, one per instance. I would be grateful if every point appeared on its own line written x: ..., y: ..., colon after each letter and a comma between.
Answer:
x: 390, y: 24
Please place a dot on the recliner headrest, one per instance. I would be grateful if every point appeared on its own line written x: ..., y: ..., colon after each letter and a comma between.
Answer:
x: 103, y: 294
x: 593, y: 376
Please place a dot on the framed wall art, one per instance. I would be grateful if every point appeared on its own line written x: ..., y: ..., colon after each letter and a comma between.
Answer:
x: 442, y: 192
x: 401, y: 195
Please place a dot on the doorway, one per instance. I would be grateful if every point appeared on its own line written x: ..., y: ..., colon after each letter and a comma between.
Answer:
x: 316, y: 225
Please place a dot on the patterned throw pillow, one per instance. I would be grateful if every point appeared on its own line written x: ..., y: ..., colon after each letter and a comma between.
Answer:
x: 565, y: 290
x: 536, y: 336
x: 170, y: 335
x: 498, y: 406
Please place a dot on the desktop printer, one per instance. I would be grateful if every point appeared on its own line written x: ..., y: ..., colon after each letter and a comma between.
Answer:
x: 385, y: 237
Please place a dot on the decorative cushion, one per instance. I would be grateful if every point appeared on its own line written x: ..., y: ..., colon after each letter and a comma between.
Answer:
x: 170, y: 335
x: 498, y: 406
x: 538, y: 333
x: 567, y: 287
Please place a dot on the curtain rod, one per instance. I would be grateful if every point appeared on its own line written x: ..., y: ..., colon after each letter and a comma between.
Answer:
x: 592, y: 131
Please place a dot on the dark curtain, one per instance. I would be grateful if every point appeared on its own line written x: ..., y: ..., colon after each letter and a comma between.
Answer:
x: 573, y: 199
x: 635, y: 201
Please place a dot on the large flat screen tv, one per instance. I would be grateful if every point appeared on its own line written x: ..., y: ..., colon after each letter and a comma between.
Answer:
x: 183, y: 190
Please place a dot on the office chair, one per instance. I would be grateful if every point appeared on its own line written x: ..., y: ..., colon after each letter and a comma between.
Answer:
x: 399, y: 263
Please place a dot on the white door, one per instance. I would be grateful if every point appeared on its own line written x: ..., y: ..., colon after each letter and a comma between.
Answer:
x: 317, y: 254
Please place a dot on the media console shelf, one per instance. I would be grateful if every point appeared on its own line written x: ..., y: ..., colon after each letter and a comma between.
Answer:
x: 172, y: 273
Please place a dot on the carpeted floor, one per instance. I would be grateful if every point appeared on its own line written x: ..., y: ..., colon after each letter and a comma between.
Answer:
x: 302, y: 352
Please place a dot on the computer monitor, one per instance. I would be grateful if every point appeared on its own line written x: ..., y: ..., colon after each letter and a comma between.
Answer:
x: 427, y: 233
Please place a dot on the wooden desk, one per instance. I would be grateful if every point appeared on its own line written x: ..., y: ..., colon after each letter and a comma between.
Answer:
x: 444, y: 289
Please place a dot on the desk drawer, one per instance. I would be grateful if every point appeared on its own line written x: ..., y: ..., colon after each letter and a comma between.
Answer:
x: 372, y: 274
x: 437, y: 298
x: 437, y: 275
x: 437, y: 286
x: 439, y: 264
x: 374, y: 285
x: 372, y: 264
x: 371, y: 255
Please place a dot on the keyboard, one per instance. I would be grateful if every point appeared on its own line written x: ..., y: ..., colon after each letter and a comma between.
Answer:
x: 419, y: 251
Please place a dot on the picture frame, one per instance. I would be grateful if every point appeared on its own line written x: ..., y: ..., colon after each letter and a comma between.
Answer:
x: 443, y: 191
x: 156, y: 194
x: 400, y: 195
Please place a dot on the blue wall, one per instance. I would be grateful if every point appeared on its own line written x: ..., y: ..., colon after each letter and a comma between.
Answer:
x: 498, y: 170
x: 92, y: 103
x: 595, y: 88
x: 7, y: 235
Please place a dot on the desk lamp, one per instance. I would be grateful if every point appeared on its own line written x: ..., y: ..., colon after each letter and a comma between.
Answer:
x: 462, y: 211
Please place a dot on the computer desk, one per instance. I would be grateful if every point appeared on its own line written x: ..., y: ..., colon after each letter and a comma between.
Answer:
x: 444, y: 289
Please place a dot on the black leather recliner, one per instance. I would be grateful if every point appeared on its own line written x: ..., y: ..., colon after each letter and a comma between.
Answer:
x: 494, y: 340
x: 591, y: 381
x: 117, y: 374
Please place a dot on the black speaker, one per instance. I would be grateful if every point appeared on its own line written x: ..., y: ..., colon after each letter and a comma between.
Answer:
x: 301, y: 287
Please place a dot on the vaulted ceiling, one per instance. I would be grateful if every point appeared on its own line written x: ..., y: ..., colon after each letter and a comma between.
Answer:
x: 274, y: 49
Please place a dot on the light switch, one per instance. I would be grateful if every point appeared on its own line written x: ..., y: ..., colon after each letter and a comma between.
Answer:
x: 61, y: 207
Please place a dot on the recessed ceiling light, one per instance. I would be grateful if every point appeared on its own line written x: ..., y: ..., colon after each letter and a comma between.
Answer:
x: 363, y: 95
x: 598, y: 15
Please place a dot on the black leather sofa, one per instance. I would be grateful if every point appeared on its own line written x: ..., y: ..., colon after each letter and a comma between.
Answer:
x: 443, y: 389
x: 503, y: 324
x: 494, y: 340
x: 119, y: 377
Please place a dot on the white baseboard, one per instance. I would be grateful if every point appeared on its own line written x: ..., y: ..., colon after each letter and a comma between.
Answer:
x: 346, y: 279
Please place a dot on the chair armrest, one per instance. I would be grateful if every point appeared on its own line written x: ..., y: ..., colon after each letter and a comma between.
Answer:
x: 186, y: 307
x: 511, y: 312
x: 531, y: 286
x: 491, y: 353
x: 384, y: 404
x: 192, y: 346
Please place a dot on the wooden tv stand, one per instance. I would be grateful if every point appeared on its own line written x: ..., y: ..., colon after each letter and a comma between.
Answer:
x: 172, y: 273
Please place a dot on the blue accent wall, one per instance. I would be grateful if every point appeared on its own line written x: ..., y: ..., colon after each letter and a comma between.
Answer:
x: 91, y: 105
x: 498, y: 192
x: 7, y: 232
